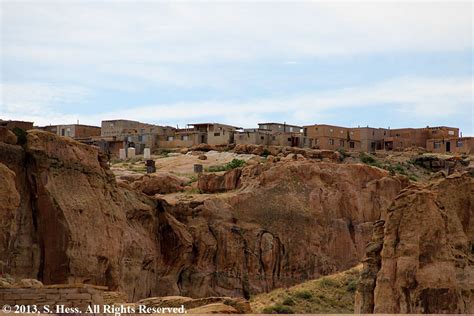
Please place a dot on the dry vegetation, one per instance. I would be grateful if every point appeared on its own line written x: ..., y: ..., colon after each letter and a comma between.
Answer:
x: 329, y: 294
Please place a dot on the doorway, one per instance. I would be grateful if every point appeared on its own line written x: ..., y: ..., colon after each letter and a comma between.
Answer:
x: 448, y: 147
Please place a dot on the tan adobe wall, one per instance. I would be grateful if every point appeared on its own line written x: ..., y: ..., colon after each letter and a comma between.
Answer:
x: 178, y: 140
x: 86, y: 131
x: 461, y: 145
x: 252, y: 138
x: 280, y: 127
x: 20, y: 124
x: 331, y: 143
x: 115, y: 127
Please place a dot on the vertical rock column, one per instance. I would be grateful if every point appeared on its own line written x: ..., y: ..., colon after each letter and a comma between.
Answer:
x: 364, y: 298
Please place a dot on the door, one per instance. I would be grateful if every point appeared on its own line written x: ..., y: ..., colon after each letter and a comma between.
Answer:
x: 448, y: 147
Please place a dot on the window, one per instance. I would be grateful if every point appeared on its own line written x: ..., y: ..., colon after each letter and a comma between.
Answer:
x: 170, y: 138
x: 291, y: 129
x: 451, y: 132
x: 351, y: 144
x: 330, y: 130
x: 273, y: 138
x: 184, y: 137
x: 142, y: 130
x: 62, y: 132
x: 289, y: 139
x: 437, y: 145
x: 341, y: 143
x: 140, y: 138
x: 316, y: 129
x: 341, y: 131
x: 459, y: 143
x: 331, y: 141
x: 352, y: 133
x: 217, y: 134
x: 262, y: 138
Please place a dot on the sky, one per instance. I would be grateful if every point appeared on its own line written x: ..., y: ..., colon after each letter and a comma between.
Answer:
x: 381, y: 64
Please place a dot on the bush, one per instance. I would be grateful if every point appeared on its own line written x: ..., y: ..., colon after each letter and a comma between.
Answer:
x: 343, y: 153
x: 235, y: 163
x: 367, y: 159
x: 305, y: 295
x: 20, y: 135
x: 352, y: 286
x: 326, y: 282
x: 288, y: 301
x: 278, y: 309
x: 266, y: 153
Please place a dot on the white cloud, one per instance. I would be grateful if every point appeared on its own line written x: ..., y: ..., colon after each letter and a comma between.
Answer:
x: 37, y: 98
x: 147, y: 32
x: 426, y: 98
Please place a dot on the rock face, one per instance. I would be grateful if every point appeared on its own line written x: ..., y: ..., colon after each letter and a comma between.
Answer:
x: 289, y: 222
x: 427, y: 260
x: 74, y: 224
x: 286, y: 223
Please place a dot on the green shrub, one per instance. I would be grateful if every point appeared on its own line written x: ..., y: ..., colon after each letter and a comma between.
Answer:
x: 326, y: 282
x: 343, y: 153
x: 235, y: 163
x: 367, y: 159
x: 20, y: 135
x: 305, y: 295
x: 352, y: 286
x: 278, y: 309
x: 413, y: 178
x: 289, y: 301
x: 266, y: 153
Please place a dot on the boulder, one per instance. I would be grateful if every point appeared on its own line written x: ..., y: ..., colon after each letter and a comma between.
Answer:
x: 28, y: 283
x: 7, y: 136
x: 159, y: 183
x: 213, y: 183
x: 202, y: 147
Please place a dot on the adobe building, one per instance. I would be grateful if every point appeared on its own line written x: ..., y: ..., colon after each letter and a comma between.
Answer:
x: 403, y: 138
x: 181, y: 138
x: 116, y: 127
x: 286, y: 135
x: 459, y: 145
x: 254, y: 136
x: 332, y: 137
x: 215, y: 133
x: 16, y: 124
x: 78, y: 131
x: 127, y: 133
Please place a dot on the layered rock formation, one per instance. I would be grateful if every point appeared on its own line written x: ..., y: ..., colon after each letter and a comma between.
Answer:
x: 427, y: 260
x: 289, y: 222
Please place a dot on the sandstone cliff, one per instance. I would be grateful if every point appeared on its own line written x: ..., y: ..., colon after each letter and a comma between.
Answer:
x: 68, y: 221
x: 427, y: 259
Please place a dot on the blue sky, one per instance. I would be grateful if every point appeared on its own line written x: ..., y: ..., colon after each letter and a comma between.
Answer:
x: 347, y: 63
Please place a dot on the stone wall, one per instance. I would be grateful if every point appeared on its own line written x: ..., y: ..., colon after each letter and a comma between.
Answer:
x: 68, y: 295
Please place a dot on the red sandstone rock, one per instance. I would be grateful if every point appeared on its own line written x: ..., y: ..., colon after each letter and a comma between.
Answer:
x: 286, y: 223
x: 427, y: 256
x: 159, y: 183
x: 213, y: 183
